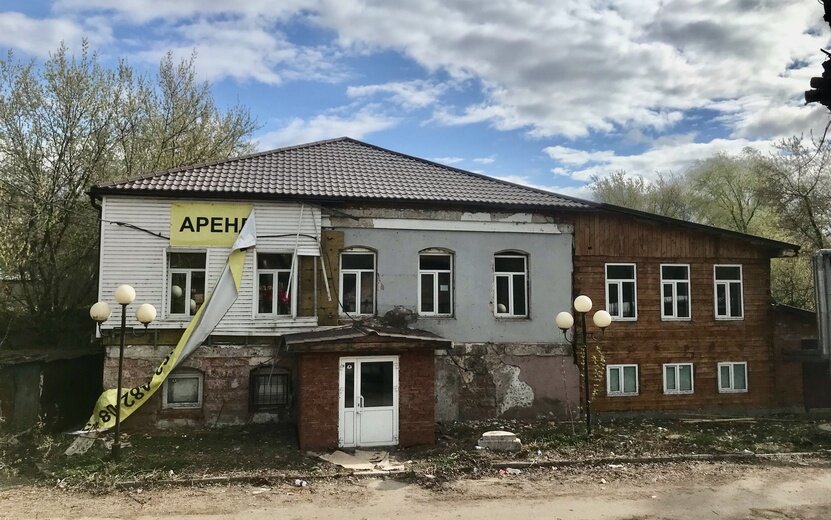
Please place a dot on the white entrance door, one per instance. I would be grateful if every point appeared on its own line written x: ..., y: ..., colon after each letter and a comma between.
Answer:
x: 368, y: 401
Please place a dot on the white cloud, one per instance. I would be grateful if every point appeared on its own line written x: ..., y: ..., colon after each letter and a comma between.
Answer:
x: 408, y: 94
x: 245, y: 49
x: 671, y: 156
x: 40, y: 36
x: 447, y: 160
x: 325, y: 126
x: 485, y: 160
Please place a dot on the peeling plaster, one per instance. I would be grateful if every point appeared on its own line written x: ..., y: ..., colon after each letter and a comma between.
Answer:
x: 511, y: 391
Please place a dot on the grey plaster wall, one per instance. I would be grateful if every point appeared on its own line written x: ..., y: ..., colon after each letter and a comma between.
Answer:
x: 549, y: 262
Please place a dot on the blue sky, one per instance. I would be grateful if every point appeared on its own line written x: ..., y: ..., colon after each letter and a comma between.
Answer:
x: 545, y: 92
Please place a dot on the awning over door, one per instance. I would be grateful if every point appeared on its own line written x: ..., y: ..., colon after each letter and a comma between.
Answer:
x: 357, y: 339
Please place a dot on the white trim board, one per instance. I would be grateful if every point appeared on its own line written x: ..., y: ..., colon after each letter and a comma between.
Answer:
x: 463, y: 225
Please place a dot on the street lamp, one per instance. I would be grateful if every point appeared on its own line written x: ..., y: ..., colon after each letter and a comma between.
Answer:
x: 565, y: 321
x: 100, y: 312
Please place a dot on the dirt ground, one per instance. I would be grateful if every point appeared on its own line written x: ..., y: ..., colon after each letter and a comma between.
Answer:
x: 695, y: 490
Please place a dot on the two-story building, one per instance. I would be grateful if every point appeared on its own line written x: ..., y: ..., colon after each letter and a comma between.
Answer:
x: 387, y: 292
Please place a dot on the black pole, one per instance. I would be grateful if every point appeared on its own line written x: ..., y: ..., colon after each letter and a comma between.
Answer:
x: 586, y: 376
x: 117, y: 441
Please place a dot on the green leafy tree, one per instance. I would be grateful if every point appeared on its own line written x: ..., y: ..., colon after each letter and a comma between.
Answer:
x: 67, y: 124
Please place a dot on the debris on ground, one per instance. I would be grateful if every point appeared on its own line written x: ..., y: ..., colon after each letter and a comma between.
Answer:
x: 363, y: 462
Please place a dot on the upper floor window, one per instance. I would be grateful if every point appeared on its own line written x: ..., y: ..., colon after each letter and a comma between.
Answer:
x: 511, y: 284
x: 728, y: 292
x: 675, y: 291
x: 274, y: 284
x: 186, y: 275
x: 621, y: 291
x: 435, y: 280
x: 357, y: 282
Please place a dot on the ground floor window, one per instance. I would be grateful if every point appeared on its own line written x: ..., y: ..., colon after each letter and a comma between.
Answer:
x: 621, y: 380
x: 269, y: 388
x: 183, y: 389
x: 732, y: 377
x: 678, y: 378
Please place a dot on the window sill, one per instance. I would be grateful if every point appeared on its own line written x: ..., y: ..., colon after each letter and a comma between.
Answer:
x: 435, y: 316
x: 723, y: 391
x: 182, y: 406
x: 723, y: 318
x: 690, y: 392
x: 508, y: 317
x: 624, y: 320
x: 663, y: 318
x: 623, y: 395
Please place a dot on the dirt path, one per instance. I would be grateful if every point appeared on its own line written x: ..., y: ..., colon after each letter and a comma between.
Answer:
x: 680, y: 491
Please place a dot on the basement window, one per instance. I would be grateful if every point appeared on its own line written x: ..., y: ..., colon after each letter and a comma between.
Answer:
x: 732, y: 377
x: 269, y: 388
x: 678, y: 378
x: 728, y: 292
x: 183, y: 389
x: 621, y: 380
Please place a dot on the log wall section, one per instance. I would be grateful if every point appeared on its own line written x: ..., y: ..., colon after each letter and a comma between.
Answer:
x: 704, y: 341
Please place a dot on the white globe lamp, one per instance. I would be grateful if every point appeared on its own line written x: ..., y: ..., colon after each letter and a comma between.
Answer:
x: 125, y: 294
x: 100, y: 312
x: 582, y: 303
x: 145, y: 313
x: 564, y: 321
x: 602, y: 319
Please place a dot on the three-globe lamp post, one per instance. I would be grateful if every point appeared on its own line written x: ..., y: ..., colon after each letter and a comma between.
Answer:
x: 565, y: 321
x: 100, y: 312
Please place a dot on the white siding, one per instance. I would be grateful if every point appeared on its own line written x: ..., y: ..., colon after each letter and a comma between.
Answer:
x: 138, y: 258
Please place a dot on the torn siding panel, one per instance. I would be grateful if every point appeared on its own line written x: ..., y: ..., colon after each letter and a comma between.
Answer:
x: 139, y: 258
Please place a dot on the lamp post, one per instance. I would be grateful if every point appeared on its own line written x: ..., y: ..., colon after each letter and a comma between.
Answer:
x: 100, y: 312
x: 565, y: 321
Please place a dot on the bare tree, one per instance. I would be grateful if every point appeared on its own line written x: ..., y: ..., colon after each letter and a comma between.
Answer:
x: 69, y: 123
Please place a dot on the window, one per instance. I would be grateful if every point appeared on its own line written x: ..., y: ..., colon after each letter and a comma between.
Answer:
x: 274, y: 285
x: 675, y: 292
x: 511, y: 285
x: 357, y: 282
x: 621, y: 380
x: 182, y: 389
x: 187, y: 282
x: 732, y: 377
x: 678, y: 378
x: 621, y: 292
x: 435, y: 279
x: 728, y: 292
x: 269, y: 388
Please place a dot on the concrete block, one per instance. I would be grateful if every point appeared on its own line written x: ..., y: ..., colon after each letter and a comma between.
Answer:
x: 500, y: 441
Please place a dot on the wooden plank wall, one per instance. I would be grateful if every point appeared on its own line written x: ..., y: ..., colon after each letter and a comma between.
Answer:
x: 703, y: 341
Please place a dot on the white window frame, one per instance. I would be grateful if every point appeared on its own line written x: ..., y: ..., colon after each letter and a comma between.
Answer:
x: 674, y: 316
x: 435, y: 275
x: 732, y: 365
x: 621, y: 392
x: 170, y: 271
x: 510, y: 276
x: 292, y: 279
x: 187, y: 374
x: 727, y: 283
x: 619, y: 283
x: 677, y: 367
x: 357, y: 272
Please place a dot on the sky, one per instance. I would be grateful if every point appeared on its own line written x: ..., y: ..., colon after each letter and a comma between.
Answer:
x: 547, y: 93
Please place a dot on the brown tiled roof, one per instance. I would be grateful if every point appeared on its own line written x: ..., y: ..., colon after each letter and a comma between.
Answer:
x: 338, y: 169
